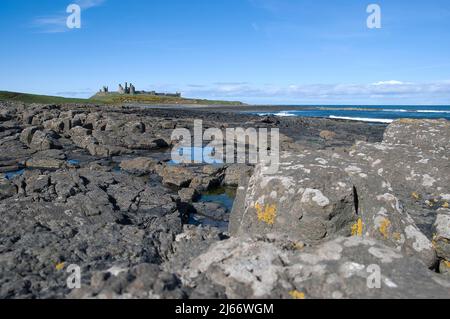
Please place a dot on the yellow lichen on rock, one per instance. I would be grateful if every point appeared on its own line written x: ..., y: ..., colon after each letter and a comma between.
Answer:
x: 446, y: 205
x: 267, y: 213
x: 447, y: 263
x: 415, y: 195
x: 384, y: 227
x: 60, y: 266
x: 397, y: 236
x: 357, y: 228
x: 297, y: 295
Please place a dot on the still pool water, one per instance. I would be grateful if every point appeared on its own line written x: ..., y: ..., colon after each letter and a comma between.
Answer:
x: 195, y: 154
x: 11, y: 175
x: 224, y: 196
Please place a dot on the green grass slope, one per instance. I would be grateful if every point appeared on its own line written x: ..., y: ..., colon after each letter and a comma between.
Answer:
x: 43, y: 99
x: 108, y: 99
x: 116, y: 98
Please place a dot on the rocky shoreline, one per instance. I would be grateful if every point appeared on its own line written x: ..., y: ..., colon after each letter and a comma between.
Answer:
x: 95, y: 187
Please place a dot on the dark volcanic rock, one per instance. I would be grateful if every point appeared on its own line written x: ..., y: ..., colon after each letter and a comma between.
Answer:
x: 98, y: 190
x: 7, y: 189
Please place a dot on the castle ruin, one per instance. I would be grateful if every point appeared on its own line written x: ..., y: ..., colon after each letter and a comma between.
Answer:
x: 131, y: 90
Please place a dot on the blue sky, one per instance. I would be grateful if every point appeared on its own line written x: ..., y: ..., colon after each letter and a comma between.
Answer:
x: 257, y: 51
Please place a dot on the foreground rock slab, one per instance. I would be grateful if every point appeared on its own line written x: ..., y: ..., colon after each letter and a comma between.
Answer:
x: 343, y: 268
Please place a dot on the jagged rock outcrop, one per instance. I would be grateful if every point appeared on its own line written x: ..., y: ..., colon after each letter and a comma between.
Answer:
x: 319, y: 195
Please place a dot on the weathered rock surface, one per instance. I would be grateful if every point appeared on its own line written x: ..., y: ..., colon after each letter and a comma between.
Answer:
x: 341, y: 268
x: 319, y: 195
x: 42, y: 141
x: 419, y: 133
x: 145, y: 281
x: 7, y: 189
x: 441, y: 239
x: 139, y: 166
x: 94, y: 187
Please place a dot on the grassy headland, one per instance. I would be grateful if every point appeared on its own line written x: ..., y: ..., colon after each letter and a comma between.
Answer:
x: 43, y: 99
x: 115, y: 98
x: 109, y: 99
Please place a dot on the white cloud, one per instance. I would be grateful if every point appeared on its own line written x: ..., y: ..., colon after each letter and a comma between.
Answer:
x: 87, y: 4
x: 388, y: 91
x: 391, y: 82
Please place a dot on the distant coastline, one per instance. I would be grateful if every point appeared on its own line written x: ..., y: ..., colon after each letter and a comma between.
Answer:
x: 362, y: 113
x: 113, y: 99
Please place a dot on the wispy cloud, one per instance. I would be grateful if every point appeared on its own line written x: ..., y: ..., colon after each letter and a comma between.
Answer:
x: 87, y: 4
x: 391, y: 91
x: 84, y: 93
x: 51, y: 24
x: 56, y: 23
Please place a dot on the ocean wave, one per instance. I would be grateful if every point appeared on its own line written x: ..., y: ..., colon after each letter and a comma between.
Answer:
x: 280, y: 114
x: 361, y: 119
x: 363, y: 109
x: 396, y: 110
x: 433, y: 111
x: 375, y: 109
x: 284, y: 114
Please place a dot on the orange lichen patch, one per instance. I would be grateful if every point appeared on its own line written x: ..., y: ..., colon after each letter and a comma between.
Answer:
x: 357, y: 228
x: 447, y: 263
x: 299, y: 246
x: 433, y: 242
x: 397, y: 236
x: 446, y: 205
x: 60, y: 266
x: 384, y: 227
x: 297, y: 295
x: 415, y: 195
x: 267, y: 213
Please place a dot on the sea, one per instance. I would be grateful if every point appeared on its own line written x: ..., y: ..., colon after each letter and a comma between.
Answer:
x: 373, y: 114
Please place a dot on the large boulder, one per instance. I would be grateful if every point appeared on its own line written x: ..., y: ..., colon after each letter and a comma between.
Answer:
x: 42, y: 140
x: 309, y: 199
x: 138, y: 166
x: 233, y: 173
x: 441, y: 239
x: 176, y: 176
x: 426, y: 134
x: 59, y: 125
x: 419, y: 176
x: 27, y: 134
x: 318, y: 195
